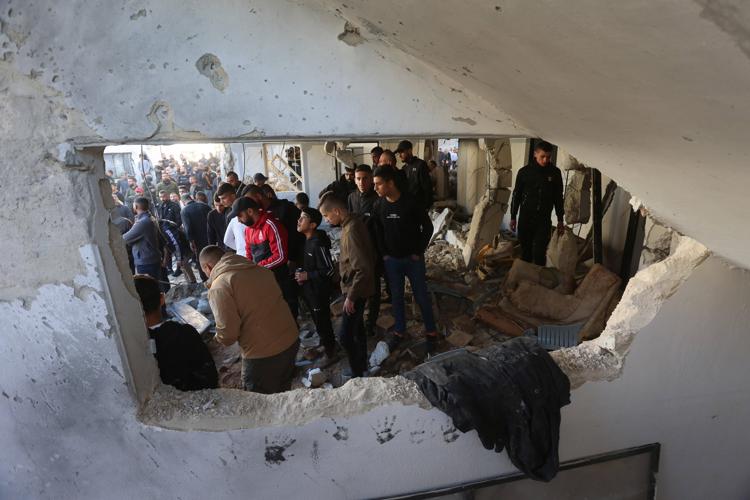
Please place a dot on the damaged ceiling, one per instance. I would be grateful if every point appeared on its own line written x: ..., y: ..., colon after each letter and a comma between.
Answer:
x: 656, y: 94
x: 653, y: 94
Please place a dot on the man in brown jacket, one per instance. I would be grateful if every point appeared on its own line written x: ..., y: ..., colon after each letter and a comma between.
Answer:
x: 357, y: 270
x: 249, y: 309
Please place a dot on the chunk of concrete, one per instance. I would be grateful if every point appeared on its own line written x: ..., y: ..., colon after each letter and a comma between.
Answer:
x: 578, y: 197
x: 459, y: 338
x: 186, y: 314
x: 440, y: 222
x: 485, y: 224
x: 385, y: 321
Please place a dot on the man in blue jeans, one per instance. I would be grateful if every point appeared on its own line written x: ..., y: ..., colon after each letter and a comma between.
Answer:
x: 403, y: 230
x: 144, y: 240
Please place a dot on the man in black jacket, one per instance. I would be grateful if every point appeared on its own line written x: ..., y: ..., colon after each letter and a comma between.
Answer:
x: 216, y: 224
x: 195, y: 222
x: 538, y: 188
x: 362, y: 202
x: 403, y: 231
x: 183, y: 359
x: 343, y: 186
x: 417, y: 175
x: 316, y: 275
x: 168, y: 209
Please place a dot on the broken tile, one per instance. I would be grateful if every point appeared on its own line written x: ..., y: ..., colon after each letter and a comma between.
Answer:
x: 459, y: 338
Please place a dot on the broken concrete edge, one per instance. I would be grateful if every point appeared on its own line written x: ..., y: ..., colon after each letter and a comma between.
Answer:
x: 604, y: 357
x: 232, y: 409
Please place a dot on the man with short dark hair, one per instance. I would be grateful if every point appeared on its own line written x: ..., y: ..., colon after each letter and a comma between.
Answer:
x: 195, y: 221
x: 538, y: 188
x: 259, y: 179
x: 343, y: 186
x: 301, y: 201
x: 167, y: 184
x: 226, y: 194
x: 144, y: 239
x: 375, y: 155
x: 234, y: 180
x: 183, y: 359
x: 266, y: 244
x: 356, y: 263
x: 249, y: 309
x: 403, y: 231
x: 315, y: 276
x: 417, y: 175
x: 285, y: 212
x: 168, y: 209
x: 216, y: 224
x: 362, y: 202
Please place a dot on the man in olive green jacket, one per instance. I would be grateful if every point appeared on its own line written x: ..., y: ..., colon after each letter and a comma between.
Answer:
x: 357, y: 270
x: 248, y: 308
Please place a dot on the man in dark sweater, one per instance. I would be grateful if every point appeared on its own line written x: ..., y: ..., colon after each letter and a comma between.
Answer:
x: 417, y: 175
x: 341, y: 187
x: 538, y: 188
x: 316, y: 274
x: 403, y: 231
x: 183, y: 359
x: 216, y: 224
x: 361, y: 202
x: 168, y: 209
x: 195, y: 222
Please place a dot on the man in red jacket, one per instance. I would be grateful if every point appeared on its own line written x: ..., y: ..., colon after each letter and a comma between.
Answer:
x: 267, y: 245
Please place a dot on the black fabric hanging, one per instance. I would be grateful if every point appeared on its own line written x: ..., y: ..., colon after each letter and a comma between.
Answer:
x: 510, y: 393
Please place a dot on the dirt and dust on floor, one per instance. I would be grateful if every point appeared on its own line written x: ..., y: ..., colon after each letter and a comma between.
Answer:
x: 499, y: 298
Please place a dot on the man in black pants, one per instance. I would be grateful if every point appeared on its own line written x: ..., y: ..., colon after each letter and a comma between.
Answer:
x: 538, y: 188
x: 362, y: 202
x: 356, y: 264
x: 316, y: 275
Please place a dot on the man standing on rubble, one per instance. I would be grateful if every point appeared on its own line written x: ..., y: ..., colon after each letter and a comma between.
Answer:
x: 144, y: 240
x: 249, y: 309
x: 538, y: 188
x: 417, y: 175
x: 356, y: 267
x: 362, y: 202
x: 403, y: 231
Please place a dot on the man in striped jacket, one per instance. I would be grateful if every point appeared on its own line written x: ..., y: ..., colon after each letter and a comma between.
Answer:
x: 266, y: 244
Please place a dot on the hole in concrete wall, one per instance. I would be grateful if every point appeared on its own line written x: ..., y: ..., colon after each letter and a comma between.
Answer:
x: 480, y: 295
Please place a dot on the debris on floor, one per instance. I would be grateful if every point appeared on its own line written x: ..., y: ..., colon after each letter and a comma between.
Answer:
x: 498, y: 299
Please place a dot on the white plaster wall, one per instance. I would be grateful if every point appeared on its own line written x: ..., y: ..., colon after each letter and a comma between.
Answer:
x: 318, y: 168
x: 67, y: 421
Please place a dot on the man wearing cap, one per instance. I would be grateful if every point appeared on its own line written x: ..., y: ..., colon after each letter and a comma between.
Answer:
x: 417, y: 175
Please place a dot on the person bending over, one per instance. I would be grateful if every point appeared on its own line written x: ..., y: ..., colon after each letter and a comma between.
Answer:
x: 183, y: 359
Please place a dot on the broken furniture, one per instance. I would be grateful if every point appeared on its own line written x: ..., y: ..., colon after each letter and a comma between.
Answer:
x: 533, y: 297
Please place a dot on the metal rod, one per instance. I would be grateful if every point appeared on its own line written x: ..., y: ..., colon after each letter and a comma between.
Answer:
x: 596, y: 179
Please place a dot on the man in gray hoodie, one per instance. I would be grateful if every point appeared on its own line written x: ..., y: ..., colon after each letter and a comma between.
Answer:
x: 144, y: 239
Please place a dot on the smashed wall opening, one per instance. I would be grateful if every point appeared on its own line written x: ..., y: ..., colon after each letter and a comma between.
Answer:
x: 486, y: 301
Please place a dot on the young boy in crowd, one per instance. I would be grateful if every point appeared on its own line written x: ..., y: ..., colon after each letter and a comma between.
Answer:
x: 315, y: 275
x: 183, y: 359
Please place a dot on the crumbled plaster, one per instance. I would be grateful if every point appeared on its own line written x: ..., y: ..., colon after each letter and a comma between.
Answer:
x: 47, y: 207
x: 351, y: 35
x: 215, y: 410
x: 210, y: 66
x: 604, y: 357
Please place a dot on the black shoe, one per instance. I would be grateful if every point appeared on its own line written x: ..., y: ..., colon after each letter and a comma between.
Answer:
x: 394, y: 341
x: 431, y: 343
x: 177, y: 272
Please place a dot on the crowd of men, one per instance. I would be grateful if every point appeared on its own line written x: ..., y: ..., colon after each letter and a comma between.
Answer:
x: 259, y: 255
